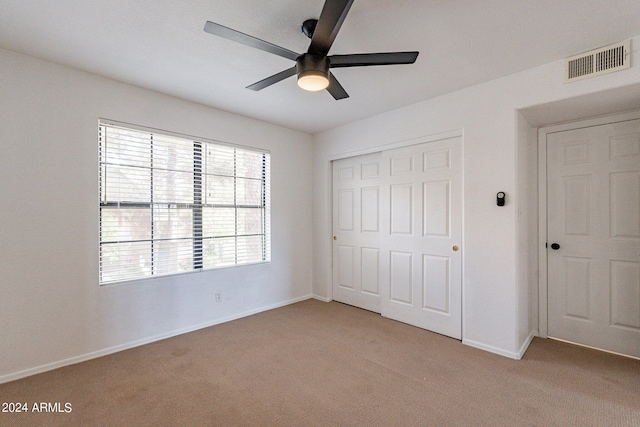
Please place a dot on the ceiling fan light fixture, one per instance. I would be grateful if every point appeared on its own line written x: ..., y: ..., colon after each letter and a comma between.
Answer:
x: 313, y: 80
x: 313, y: 72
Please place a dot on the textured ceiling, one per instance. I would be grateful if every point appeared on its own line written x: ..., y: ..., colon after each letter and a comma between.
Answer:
x: 161, y: 45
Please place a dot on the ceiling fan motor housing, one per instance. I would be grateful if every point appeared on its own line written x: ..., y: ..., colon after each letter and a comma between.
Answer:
x: 312, y: 65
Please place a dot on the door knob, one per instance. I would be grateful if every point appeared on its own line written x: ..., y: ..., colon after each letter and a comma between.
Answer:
x: 555, y: 246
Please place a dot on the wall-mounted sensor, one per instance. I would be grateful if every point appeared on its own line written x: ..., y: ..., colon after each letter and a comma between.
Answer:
x: 500, y: 198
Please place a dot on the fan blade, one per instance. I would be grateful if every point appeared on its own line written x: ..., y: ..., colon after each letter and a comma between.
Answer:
x: 335, y: 88
x: 247, y: 40
x: 331, y: 18
x: 367, y: 59
x: 273, y: 79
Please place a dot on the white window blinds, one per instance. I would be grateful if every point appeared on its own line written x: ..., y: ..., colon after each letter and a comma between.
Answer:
x: 171, y: 204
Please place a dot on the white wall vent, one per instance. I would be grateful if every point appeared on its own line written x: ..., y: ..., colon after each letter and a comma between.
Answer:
x: 605, y: 60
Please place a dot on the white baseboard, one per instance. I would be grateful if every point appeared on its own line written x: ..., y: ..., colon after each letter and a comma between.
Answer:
x: 502, y: 352
x: 491, y: 349
x: 525, y: 344
x: 319, y: 298
x: 110, y: 350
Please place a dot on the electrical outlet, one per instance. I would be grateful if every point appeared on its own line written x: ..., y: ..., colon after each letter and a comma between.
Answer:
x: 218, y: 297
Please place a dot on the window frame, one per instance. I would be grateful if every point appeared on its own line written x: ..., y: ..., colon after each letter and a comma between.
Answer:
x: 197, y: 207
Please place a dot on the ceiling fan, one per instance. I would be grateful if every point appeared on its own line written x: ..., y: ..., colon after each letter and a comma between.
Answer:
x: 312, y: 67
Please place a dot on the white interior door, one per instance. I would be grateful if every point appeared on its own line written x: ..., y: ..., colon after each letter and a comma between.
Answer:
x: 356, y: 231
x: 593, y: 190
x: 397, y: 234
x: 422, y: 214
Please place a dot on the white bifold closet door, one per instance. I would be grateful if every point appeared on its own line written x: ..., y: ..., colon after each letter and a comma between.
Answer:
x: 357, y: 231
x: 397, y: 219
x: 593, y: 220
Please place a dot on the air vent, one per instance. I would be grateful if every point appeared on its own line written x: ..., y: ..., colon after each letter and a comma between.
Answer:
x: 605, y: 60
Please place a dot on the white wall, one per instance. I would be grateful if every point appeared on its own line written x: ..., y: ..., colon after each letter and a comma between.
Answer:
x: 498, y: 119
x: 52, y: 311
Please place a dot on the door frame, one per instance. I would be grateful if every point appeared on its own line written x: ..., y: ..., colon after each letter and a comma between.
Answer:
x: 543, y: 282
x: 456, y: 133
x: 393, y: 145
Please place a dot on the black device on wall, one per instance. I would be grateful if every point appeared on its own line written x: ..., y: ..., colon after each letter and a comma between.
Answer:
x: 500, y: 198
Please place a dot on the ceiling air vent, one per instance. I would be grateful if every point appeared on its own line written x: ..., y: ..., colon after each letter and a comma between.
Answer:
x: 605, y: 60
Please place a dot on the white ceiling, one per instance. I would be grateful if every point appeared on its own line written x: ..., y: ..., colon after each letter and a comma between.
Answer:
x: 161, y: 45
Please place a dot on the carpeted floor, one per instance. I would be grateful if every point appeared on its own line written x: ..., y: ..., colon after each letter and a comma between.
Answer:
x: 328, y: 364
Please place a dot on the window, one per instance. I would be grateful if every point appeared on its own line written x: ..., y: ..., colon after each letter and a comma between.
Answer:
x: 171, y: 204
